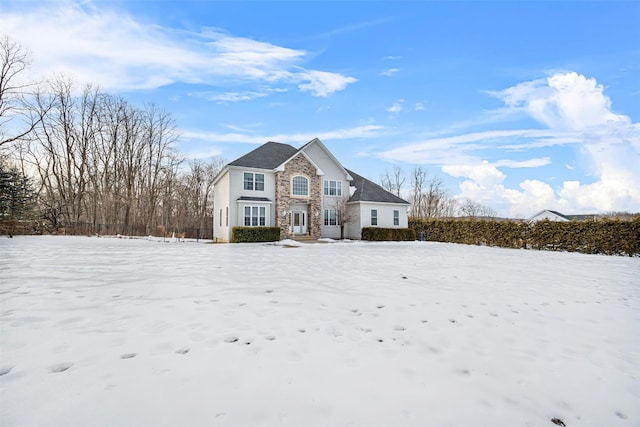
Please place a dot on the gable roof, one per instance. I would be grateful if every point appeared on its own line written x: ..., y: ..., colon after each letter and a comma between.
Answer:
x: 369, y: 191
x: 267, y: 156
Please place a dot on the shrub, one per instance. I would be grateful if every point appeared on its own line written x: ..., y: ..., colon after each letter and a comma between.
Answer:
x: 255, y: 234
x: 388, y: 234
x: 605, y: 236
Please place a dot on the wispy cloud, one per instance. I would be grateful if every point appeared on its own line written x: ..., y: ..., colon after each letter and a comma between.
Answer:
x: 390, y: 72
x: 87, y: 43
x: 228, y: 97
x: 573, y: 110
x: 365, y: 131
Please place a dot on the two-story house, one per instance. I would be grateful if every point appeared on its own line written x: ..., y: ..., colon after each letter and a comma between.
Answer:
x: 303, y: 191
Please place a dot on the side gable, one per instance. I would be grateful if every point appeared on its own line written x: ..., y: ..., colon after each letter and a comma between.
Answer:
x: 369, y: 191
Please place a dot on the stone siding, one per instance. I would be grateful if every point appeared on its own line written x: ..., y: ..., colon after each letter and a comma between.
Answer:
x: 299, y: 165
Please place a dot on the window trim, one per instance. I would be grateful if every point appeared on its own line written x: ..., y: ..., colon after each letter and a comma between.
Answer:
x: 327, y: 188
x: 326, y: 217
x: 257, y: 213
x: 396, y: 217
x: 308, y: 181
x: 254, y: 181
x: 374, y: 217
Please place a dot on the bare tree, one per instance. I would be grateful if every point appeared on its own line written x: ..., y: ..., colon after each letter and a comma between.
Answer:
x: 345, y: 214
x: 393, y: 181
x: 14, y: 60
x: 472, y: 209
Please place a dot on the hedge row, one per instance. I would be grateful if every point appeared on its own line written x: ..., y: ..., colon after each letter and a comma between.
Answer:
x: 255, y: 234
x: 605, y: 236
x: 388, y: 234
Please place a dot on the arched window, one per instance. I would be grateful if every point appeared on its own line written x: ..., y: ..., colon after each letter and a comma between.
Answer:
x: 300, y: 186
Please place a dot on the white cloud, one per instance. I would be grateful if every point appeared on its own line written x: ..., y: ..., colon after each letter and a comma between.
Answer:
x: 322, y: 83
x: 568, y: 101
x: 113, y: 49
x: 574, y: 110
x: 240, y: 96
x: 419, y: 106
x: 364, y: 131
x: 395, y: 108
x: 390, y: 72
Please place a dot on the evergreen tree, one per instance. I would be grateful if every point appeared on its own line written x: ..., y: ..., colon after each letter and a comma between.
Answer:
x: 17, y: 200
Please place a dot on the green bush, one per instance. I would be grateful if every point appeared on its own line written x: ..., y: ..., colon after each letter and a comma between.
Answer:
x: 605, y: 236
x: 255, y: 234
x: 388, y: 234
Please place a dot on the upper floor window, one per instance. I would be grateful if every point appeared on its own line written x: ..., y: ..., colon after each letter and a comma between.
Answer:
x: 253, y: 181
x: 396, y: 217
x: 374, y: 216
x: 300, y: 186
x: 332, y: 188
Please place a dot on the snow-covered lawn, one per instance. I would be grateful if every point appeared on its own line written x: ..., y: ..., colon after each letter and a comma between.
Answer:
x: 123, y: 332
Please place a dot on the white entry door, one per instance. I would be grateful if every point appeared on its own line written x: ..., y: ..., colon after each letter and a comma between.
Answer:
x: 299, y: 222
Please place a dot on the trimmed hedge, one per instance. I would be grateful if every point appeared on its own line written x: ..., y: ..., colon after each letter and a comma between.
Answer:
x: 255, y: 234
x: 388, y: 234
x: 605, y: 236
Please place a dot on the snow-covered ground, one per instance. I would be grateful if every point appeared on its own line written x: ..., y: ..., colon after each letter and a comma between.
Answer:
x: 121, y: 332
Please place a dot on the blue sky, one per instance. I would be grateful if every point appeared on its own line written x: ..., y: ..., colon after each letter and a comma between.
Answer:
x: 521, y: 106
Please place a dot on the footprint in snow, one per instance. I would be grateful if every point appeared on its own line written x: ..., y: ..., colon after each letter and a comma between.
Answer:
x: 231, y: 339
x: 380, y: 306
x: 128, y: 356
x: 399, y: 328
x: 5, y: 371
x: 621, y: 415
x: 494, y: 314
x: 558, y: 422
x: 183, y: 350
x: 60, y: 367
x: 270, y: 338
x: 302, y: 331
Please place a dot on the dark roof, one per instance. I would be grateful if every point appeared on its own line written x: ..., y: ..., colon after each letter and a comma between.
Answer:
x: 369, y: 191
x: 267, y: 156
x: 254, y: 199
x: 558, y: 213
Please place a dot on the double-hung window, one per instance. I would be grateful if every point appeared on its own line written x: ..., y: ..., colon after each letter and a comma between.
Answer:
x: 330, y: 217
x: 374, y: 216
x: 299, y: 186
x: 255, y: 216
x: 396, y: 217
x: 332, y: 188
x: 253, y: 181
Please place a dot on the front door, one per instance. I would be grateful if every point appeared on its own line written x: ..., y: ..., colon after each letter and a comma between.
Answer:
x: 299, y: 222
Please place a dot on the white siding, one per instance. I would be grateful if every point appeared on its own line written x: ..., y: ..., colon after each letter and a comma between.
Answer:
x: 228, y: 189
x: 220, y: 206
x: 385, y: 217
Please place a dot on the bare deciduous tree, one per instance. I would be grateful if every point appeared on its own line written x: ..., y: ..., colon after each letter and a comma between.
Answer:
x: 472, y: 209
x: 15, y: 120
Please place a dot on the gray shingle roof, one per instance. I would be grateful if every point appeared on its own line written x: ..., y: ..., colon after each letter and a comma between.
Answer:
x: 369, y: 191
x: 267, y: 156
x: 273, y: 154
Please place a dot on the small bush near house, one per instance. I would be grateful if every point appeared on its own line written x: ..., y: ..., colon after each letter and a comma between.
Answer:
x: 388, y: 234
x: 255, y: 234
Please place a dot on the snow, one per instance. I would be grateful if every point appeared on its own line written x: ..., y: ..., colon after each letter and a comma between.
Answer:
x: 137, y: 332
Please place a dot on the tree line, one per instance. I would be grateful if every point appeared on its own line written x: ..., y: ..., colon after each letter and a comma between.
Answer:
x: 427, y: 196
x: 94, y: 161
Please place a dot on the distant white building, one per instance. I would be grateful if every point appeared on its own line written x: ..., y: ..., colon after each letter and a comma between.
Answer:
x: 557, y: 216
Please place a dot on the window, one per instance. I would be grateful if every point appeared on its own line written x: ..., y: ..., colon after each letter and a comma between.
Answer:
x: 227, y: 220
x: 220, y: 217
x: 253, y: 181
x: 300, y: 186
x: 330, y: 217
x: 396, y: 217
x: 255, y: 216
x: 333, y: 188
x: 374, y: 216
